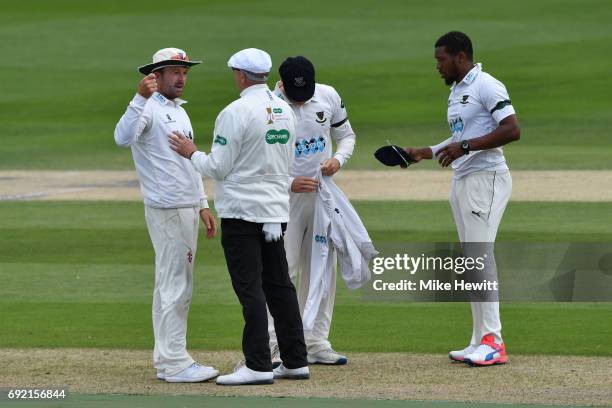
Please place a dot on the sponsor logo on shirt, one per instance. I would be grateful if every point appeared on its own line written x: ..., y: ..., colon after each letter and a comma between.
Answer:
x: 220, y: 140
x: 305, y: 147
x: 160, y: 98
x: 277, y: 136
x: 456, y: 125
x: 277, y: 110
x: 321, y: 239
x: 188, y: 134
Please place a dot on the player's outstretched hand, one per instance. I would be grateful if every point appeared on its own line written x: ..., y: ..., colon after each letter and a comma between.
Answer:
x: 304, y: 184
x: 147, y: 86
x: 182, y: 145
x: 209, y: 222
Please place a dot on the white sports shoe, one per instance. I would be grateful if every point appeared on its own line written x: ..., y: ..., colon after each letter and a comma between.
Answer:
x: 245, y: 376
x: 301, y: 373
x: 193, y: 373
x: 487, y: 353
x: 458, y: 355
x: 327, y: 357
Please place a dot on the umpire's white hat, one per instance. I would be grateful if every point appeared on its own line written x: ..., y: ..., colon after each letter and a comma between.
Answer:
x: 251, y: 60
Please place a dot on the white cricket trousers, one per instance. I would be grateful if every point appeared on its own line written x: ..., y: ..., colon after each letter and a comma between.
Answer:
x: 478, y: 201
x: 174, y: 233
x: 298, y: 246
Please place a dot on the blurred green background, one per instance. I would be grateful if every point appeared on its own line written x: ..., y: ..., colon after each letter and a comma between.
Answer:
x: 69, y: 70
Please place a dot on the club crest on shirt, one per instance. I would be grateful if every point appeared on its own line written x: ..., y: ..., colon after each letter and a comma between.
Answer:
x: 170, y: 120
x: 464, y: 99
x: 321, y: 116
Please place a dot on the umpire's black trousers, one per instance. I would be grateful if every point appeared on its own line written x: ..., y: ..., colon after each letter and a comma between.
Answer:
x: 260, y: 275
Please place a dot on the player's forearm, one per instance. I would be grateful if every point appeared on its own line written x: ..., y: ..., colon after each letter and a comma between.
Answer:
x: 131, y: 124
x: 506, y: 132
x: 345, y: 142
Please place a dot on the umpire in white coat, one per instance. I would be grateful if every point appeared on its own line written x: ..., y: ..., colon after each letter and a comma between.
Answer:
x: 250, y: 161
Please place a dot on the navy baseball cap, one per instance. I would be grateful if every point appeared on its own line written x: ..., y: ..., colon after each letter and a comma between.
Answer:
x: 298, y: 76
x: 393, y: 155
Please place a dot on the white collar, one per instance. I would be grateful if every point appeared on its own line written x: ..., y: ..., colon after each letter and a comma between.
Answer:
x: 253, y: 88
x: 470, y: 77
x: 164, y: 101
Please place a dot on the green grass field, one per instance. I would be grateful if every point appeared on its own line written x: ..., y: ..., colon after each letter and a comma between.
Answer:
x: 70, y: 70
x: 80, y: 274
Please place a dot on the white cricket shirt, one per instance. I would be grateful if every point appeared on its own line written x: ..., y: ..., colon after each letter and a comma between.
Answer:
x: 319, y: 120
x: 167, y: 180
x: 476, y: 105
x: 250, y: 157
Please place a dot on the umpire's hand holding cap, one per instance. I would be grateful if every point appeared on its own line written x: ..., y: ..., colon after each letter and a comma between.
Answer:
x: 298, y: 76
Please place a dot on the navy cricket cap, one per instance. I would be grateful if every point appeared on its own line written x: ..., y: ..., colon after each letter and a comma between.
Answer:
x: 298, y: 76
x: 393, y: 155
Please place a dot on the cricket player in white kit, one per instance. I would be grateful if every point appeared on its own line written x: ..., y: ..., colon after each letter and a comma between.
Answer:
x: 321, y: 118
x: 481, y: 120
x: 174, y: 201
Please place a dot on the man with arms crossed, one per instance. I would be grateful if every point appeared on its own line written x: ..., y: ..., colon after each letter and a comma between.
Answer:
x: 481, y: 119
x: 174, y: 201
x: 249, y: 161
x: 321, y: 117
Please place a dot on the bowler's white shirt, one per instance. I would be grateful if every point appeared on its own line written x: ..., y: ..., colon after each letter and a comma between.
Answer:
x: 319, y: 120
x: 250, y: 157
x: 167, y: 180
x: 476, y: 105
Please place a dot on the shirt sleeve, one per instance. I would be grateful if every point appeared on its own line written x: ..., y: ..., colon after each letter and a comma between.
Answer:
x: 341, y: 130
x: 202, y: 193
x: 496, y: 100
x: 135, y: 121
x: 436, y: 148
x: 227, y: 142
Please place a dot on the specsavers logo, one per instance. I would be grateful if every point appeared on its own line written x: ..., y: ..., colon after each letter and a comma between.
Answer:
x: 220, y: 140
x: 277, y: 136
